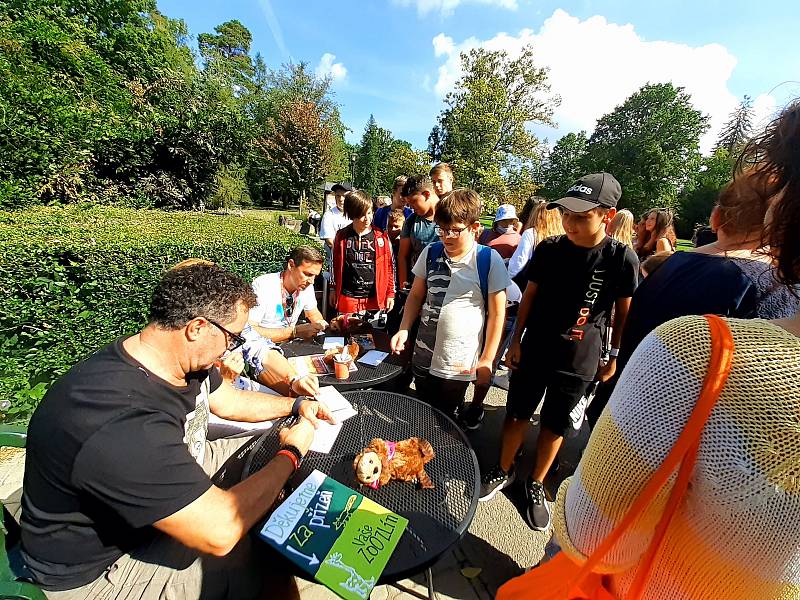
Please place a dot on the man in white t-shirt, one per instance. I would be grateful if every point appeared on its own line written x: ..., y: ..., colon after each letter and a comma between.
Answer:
x: 282, y: 297
x: 333, y: 219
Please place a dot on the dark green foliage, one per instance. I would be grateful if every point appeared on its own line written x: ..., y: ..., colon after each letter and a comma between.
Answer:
x: 563, y: 166
x: 738, y: 129
x: 102, y: 101
x: 650, y: 143
x: 698, y: 199
x: 76, y: 278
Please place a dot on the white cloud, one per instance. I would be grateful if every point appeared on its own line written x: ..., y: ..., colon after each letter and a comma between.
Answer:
x: 328, y: 68
x: 446, y: 7
x: 595, y: 65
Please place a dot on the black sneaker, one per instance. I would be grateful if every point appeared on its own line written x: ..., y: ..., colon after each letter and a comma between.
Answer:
x: 493, y: 481
x: 538, y: 511
x: 472, y: 417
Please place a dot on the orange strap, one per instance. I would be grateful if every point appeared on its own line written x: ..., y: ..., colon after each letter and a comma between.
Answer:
x: 683, y: 453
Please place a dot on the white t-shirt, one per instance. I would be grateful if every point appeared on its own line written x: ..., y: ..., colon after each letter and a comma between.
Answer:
x: 332, y: 221
x: 269, y: 310
x: 523, y: 252
x: 450, y: 337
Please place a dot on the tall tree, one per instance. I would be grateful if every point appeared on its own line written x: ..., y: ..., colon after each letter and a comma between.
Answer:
x: 436, y: 143
x: 738, y: 129
x: 372, y: 152
x: 563, y: 165
x: 697, y: 200
x: 484, y: 126
x: 228, y: 50
x: 650, y: 143
x: 401, y: 159
x: 298, y: 147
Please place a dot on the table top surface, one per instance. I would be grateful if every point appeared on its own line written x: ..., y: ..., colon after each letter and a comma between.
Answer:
x: 365, y: 376
x: 437, y: 517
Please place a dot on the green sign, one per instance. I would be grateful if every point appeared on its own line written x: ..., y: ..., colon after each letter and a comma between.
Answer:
x: 335, y: 534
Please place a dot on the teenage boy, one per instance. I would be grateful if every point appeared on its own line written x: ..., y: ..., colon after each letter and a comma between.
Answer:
x: 381, y: 218
x: 573, y: 282
x: 333, y: 219
x: 419, y: 228
x: 362, y: 261
x: 462, y: 293
x: 442, y: 178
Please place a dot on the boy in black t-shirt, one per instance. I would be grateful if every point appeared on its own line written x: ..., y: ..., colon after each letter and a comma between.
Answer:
x: 574, y: 280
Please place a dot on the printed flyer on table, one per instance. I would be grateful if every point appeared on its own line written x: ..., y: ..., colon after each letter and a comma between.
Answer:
x: 335, y: 534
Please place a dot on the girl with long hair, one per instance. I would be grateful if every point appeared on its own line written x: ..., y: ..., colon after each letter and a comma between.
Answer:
x: 620, y: 227
x: 658, y: 234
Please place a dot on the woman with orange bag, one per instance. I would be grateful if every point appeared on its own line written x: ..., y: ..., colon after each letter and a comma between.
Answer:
x: 716, y: 401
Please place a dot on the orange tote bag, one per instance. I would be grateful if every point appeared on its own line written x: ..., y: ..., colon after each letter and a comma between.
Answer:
x: 563, y: 579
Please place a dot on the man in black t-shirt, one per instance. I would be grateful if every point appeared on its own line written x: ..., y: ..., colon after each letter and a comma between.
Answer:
x: 117, y: 494
x: 574, y: 281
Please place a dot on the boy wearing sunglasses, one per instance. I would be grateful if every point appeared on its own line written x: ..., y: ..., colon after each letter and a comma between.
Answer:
x: 460, y: 327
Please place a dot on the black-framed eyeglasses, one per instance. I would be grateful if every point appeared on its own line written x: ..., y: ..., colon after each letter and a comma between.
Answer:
x: 289, y: 310
x: 453, y: 232
x: 234, y: 339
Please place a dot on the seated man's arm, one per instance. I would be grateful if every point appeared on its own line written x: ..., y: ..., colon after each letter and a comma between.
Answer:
x: 253, y: 407
x: 248, y: 406
x: 276, y: 334
x: 216, y: 521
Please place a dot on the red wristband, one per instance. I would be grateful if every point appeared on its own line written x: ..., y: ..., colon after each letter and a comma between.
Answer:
x: 291, y: 456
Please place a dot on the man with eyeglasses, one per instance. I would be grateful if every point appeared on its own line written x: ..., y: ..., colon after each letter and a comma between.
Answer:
x: 117, y: 490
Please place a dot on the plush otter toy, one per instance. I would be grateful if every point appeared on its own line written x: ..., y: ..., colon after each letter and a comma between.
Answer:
x: 382, y: 461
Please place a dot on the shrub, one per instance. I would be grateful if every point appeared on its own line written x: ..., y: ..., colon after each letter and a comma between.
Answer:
x: 76, y: 278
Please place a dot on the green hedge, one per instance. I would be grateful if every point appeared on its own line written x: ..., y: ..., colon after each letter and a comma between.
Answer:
x: 74, y: 279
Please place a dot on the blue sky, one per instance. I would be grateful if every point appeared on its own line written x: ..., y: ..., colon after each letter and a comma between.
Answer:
x: 396, y: 58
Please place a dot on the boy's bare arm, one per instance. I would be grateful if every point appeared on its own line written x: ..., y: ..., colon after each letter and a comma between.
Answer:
x: 402, y: 261
x: 621, y: 308
x: 494, y: 334
x: 414, y: 303
x: 524, y: 309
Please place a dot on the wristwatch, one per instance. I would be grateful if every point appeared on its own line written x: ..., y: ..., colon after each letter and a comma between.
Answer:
x: 296, y: 406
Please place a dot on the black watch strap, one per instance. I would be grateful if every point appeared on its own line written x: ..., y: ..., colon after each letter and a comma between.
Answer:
x: 296, y: 406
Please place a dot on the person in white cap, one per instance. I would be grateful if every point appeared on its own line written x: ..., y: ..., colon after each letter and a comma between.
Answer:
x: 503, y: 236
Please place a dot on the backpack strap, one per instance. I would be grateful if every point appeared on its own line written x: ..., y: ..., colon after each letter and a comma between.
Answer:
x: 484, y: 260
x: 434, y: 252
x: 484, y: 264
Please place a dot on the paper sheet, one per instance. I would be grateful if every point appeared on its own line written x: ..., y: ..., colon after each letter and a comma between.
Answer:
x: 338, y: 405
x: 332, y: 341
x: 373, y: 358
x: 325, y: 436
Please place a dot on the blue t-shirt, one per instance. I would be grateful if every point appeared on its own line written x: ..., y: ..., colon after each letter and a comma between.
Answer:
x: 381, y: 218
x: 421, y: 232
x: 691, y: 283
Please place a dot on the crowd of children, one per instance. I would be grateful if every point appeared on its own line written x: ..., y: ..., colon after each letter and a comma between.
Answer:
x: 577, y: 259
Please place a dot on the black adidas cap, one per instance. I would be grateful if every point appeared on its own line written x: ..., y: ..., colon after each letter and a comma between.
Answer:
x: 590, y: 191
x: 343, y: 186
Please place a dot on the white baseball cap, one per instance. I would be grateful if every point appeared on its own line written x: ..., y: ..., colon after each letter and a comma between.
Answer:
x: 505, y: 211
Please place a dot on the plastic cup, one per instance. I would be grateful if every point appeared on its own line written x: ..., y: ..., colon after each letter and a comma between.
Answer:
x: 341, y: 367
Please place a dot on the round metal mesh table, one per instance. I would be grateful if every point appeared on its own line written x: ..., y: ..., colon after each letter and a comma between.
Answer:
x: 437, y: 518
x: 365, y: 376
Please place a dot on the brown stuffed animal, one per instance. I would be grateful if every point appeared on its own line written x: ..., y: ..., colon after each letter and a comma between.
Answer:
x: 382, y: 461
x: 353, y: 349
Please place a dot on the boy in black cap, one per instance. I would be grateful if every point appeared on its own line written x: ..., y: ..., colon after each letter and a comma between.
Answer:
x: 573, y: 282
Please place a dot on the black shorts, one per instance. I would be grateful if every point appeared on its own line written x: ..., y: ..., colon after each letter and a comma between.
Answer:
x: 561, y: 391
x: 445, y: 394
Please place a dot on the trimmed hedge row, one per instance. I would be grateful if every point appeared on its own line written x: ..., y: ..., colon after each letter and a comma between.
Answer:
x: 74, y: 279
